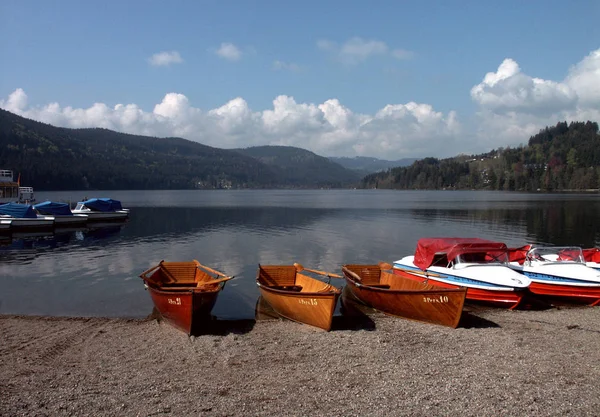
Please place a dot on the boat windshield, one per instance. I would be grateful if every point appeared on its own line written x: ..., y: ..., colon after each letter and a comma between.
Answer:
x: 559, y: 254
x: 489, y: 257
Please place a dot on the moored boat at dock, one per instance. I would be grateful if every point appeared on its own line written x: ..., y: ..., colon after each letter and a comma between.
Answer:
x: 23, y: 216
x: 62, y: 214
x: 101, y: 209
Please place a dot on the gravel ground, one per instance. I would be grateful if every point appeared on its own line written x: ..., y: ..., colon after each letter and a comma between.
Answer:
x: 498, y: 363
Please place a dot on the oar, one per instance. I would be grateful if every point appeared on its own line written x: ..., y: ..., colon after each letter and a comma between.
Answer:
x: 299, y: 268
x: 167, y: 273
x: 352, y: 274
x: 214, y: 281
x: 143, y: 274
x: 214, y: 271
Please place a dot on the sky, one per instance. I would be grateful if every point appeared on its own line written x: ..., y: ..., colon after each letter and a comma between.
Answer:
x: 386, y: 79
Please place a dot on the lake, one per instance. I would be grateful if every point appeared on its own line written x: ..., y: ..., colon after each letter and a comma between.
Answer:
x: 94, y: 272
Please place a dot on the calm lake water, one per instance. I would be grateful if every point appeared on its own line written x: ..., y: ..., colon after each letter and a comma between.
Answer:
x: 94, y: 272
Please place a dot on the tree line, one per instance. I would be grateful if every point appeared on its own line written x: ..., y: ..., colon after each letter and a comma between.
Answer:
x: 561, y: 157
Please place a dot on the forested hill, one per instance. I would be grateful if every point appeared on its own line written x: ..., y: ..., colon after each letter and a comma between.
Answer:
x: 299, y: 166
x: 52, y: 158
x: 562, y: 157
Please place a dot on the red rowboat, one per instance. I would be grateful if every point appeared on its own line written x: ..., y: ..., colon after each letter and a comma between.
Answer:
x: 403, y: 297
x: 184, y: 292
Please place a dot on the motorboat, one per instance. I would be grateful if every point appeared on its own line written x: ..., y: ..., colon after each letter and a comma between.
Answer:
x: 63, y: 216
x: 101, y: 209
x: 482, y: 266
x: 23, y: 216
x: 558, y: 272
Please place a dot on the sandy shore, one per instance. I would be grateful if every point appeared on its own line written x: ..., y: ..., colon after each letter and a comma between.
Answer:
x: 499, y: 363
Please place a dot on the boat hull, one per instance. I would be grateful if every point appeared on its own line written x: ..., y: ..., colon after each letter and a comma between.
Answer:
x: 40, y: 223
x: 184, y: 310
x: 415, y: 301
x: 70, y: 221
x: 104, y: 216
x: 574, y: 293
x: 505, y: 298
x: 314, y: 309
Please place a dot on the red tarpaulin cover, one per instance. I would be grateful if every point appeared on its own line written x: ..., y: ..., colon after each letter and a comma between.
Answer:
x: 591, y: 255
x: 451, y: 246
x: 518, y: 254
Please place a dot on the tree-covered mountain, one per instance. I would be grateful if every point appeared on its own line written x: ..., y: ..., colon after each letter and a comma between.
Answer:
x: 299, y: 167
x: 563, y: 157
x: 366, y: 165
x: 52, y: 158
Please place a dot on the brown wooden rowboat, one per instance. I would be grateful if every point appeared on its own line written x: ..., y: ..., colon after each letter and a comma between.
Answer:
x: 184, y: 292
x: 297, y: 296
x: 392, y: 294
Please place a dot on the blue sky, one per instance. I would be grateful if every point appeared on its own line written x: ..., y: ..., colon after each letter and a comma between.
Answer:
x: 365, y: 55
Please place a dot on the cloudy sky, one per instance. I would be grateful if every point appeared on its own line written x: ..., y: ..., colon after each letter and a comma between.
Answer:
x: 389, y: 79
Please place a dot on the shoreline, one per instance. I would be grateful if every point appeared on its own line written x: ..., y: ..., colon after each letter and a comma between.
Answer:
x: 512, y: 363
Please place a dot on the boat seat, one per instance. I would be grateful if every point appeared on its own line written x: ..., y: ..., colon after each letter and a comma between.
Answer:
x: 294, y: 288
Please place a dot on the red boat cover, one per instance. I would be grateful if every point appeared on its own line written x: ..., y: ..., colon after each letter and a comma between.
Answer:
x: 518, y: 254
x: 452, y: 246
x: 591, y: 255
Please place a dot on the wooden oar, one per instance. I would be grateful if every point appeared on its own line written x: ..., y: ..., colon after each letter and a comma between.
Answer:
x: 214, y: 281
x: 352, y: 274
x: 214, y: 271
x: 143, y: 274
x: 299, y: 268
x: 167, y: 273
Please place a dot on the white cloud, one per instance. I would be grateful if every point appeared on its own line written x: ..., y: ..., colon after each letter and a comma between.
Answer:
x: 356, y: 50
x: 229, y: 52
x: 513, y: 105
x: 330, y: 128
x: 402, y: 54
x: 165, y: 58
x: 286, y: 66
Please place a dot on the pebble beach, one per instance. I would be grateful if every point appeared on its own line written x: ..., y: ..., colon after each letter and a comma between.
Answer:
x: 497, y: 362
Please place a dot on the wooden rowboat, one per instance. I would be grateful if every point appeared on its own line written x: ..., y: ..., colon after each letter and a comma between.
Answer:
x: 297, y: 296
x: 392, y: 294
x: 184, y: 292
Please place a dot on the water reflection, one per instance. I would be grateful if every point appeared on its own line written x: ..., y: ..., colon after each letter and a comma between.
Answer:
x: 95, y: 271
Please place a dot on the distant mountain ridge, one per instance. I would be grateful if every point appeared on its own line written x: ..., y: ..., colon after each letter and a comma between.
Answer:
x: 54, y: 158
x: 368, y: 165
x: 299, y: 166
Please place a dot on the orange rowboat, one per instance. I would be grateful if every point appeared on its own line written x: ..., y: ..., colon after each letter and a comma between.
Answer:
x: 184, y: 292
x: 297, y: 296
x: 392, y: 294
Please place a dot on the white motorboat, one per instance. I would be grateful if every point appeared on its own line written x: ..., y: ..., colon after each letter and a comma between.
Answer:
x: 63, y: 217
x: 558, y: 272
x: 101, y: 209
x: 23, y: 216
x: 477, y: 264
